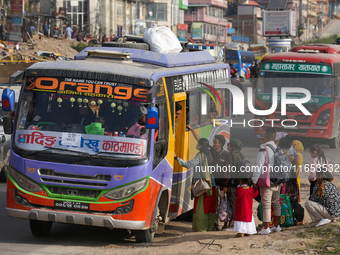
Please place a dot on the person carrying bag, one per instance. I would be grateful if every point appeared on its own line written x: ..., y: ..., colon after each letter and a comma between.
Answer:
x: 204, y: 201
x: 270, y: 195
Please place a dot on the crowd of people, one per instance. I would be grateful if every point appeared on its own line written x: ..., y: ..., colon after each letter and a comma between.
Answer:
x: 65, y: 33
x: 242, y: 188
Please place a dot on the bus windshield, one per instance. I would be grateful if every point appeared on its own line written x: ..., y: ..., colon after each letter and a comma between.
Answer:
x: 67, y: 120
x: 259, y: 51
x: 320, y: 86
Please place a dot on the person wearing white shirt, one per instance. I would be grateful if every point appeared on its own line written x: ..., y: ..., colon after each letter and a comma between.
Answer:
x: 69, y: 31
x: 270, y: 196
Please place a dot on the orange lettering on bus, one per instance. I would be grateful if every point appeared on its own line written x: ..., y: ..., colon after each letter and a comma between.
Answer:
x: 63, y: 83
x: 98, y: 87
x: 85, y: 87
x: 140, y: 93
x: 53, y: 80
x: 125, y: 93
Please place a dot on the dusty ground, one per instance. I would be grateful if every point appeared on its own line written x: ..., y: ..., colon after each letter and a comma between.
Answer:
x: 52, y: 45
x: 179, y: 239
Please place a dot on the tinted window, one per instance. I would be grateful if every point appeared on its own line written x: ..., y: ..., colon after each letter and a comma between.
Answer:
x: 231, y: 56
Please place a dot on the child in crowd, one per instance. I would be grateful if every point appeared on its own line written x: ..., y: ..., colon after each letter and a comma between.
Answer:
x: 244, y: 223
x: 317, y: 163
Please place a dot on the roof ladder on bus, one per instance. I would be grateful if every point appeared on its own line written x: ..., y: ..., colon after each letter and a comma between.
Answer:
x: 109, y: 54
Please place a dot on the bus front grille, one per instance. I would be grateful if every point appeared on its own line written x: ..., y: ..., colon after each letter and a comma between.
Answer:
x: 74, y: 191
x: 94, y: 181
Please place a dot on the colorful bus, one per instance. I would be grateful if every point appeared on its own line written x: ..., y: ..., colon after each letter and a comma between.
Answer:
x: 242, y: 61
x: 260, y: 50
x: 316, y: 72
x: 81, y: 152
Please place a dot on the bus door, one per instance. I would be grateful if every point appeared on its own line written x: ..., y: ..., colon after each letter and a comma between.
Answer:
x: 179, y: 193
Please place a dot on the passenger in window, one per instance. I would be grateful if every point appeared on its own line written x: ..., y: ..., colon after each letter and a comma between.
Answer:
x: 138, y: 130
x: 212, y: 115
x: 101, y: 120
x: 328, y: 90
x: 177, y: 114
x: 86, y: 117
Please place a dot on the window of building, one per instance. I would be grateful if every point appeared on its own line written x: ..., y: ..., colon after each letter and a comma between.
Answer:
x: 80, y: 7
x: 119, y: 8
x: 77, y: 13
x: 156, y: 11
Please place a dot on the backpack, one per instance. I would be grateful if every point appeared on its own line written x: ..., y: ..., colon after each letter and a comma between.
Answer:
x: 246, y: 168
x: 298, y: 212
x: 282, y: 167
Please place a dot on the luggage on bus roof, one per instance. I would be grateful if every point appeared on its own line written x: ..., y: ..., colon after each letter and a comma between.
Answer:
x: 165, y: 60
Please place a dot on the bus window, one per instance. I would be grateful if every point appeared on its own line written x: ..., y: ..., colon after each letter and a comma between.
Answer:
x: 161, y: 144
x: 220, y: 108
x: 194, y: 109
x: 226, y: 103
x: 204, y: 118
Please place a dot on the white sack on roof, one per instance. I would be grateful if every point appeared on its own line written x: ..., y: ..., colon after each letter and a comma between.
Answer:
x: 162, y: 39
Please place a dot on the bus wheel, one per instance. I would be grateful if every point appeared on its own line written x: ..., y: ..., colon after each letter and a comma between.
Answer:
x: 334, y: 142
x: 40, y: 228
x: 146, y: 236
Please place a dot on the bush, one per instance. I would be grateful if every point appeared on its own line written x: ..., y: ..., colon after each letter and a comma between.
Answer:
x: 80, y: 46
x: 323, y: 40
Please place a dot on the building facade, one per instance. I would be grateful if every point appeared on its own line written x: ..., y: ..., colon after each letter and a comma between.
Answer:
x: 122, y: 17
x: 248, y: 22
x: 205, y: 21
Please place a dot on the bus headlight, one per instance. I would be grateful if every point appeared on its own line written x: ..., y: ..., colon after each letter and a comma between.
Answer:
x: 323, y: 118
x: 126, y: 191
x: 24, y: 182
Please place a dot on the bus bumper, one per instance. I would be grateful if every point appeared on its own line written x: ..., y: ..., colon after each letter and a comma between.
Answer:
x: 75, y: 218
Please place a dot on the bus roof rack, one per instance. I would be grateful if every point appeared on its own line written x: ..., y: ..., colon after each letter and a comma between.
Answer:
x: 156, y: 58
x: 308, y: 51
x: 108, y: 54
x: 322, y: 48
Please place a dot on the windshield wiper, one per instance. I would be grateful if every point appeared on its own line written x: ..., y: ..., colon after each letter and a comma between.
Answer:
x: 30, y: 153
x: 89, y: 156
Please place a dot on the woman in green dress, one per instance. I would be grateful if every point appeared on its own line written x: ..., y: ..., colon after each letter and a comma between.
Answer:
x: 205, y: 204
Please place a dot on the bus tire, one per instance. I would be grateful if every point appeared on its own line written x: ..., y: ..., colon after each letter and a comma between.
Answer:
x: 334, y: 142
x: 146, y: 236
x: 40, y: 228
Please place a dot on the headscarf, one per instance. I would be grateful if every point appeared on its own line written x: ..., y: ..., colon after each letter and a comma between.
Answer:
x: 298, y: 145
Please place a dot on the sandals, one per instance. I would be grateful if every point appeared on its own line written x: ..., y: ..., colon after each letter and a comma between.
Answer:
x: 215, y: 228
x: 239, y: 234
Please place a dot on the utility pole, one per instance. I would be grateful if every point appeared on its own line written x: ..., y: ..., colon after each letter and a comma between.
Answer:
x: 322, y: 19
x: 96, y: 26
x: 100, y: 21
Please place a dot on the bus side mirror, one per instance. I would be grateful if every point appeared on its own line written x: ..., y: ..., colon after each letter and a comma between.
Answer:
x: 8, y: 125
x: 8, y: 100
x: 151, y: 121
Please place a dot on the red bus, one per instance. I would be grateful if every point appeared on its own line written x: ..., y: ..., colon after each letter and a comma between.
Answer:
x: 321, y: 48
x: 317, y: 72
